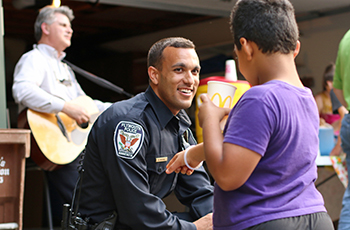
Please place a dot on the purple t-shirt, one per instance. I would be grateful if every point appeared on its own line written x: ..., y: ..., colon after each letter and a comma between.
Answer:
x: 280, y: 122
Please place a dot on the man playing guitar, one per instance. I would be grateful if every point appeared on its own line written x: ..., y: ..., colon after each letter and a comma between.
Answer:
x: 46, y: 85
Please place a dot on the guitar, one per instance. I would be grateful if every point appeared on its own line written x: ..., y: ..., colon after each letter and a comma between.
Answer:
x: 57, y: 139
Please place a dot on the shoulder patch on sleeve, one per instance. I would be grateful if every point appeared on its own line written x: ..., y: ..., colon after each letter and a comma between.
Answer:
x: 128, y: 139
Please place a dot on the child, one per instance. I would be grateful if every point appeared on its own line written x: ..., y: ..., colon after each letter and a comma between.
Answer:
x: 264, y: 162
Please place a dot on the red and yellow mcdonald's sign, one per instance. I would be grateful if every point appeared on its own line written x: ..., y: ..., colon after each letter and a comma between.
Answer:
x: 242, y: 86
x: 218, y: 100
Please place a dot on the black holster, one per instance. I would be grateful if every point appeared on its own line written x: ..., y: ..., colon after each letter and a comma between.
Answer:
x: 106, y: 224
x: 70, y: 221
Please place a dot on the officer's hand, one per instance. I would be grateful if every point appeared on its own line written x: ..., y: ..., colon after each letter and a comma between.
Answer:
x: 177, y: 164
x: 205, y: 223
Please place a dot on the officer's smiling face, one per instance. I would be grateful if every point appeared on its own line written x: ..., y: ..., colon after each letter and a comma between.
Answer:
x: 177, y: 82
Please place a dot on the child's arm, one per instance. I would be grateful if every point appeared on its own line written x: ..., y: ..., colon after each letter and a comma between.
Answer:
x: 229, y: 164
x: 232, y: 166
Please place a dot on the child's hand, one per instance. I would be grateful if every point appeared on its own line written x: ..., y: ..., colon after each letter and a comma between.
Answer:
x: 209, y: 112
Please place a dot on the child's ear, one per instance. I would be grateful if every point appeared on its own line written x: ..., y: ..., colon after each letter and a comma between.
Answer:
x: 153, y: 74
x: 247, y: 48
x: 297, y: 49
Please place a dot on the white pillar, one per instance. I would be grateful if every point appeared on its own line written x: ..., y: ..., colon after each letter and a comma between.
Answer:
x: 3, y: 113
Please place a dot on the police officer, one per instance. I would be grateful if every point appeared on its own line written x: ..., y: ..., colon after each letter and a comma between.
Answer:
x: 132, y: 142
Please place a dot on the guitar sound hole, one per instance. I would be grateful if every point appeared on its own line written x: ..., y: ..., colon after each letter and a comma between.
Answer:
x: 84, y: 125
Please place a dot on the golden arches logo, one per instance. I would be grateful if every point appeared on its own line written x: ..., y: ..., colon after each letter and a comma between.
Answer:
x: 222, y: 102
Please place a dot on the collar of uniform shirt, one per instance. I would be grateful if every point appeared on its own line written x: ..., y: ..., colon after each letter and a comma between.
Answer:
x: 162, y: 112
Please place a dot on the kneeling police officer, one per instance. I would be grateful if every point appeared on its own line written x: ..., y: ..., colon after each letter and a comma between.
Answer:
x: 131, y: 143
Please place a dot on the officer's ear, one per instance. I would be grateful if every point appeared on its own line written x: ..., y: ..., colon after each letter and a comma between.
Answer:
x: 153, y: 74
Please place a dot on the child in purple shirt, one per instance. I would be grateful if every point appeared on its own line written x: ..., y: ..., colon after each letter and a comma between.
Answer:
x: 264, y: 162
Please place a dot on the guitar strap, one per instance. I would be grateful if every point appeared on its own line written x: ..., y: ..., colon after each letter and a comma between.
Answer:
x: 100, y: 81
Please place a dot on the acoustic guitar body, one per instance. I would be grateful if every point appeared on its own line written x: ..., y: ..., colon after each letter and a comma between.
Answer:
x: 52, y: 147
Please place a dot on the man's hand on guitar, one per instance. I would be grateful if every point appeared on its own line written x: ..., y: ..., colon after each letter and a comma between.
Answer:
x: 76, y: 112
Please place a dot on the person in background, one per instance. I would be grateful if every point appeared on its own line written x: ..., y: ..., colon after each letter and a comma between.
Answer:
x: 264, y: 162
x: 341, y: 87
x: 338, y: 108
x: 330, y: 109
x: 42, y: 82
x: 324, y: 103
x: 133, y: 140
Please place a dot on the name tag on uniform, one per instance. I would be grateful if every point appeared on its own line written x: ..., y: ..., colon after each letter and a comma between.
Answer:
x: 161, y: 159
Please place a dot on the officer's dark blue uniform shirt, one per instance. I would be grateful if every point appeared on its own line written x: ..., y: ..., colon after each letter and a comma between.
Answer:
x: 128, y: 149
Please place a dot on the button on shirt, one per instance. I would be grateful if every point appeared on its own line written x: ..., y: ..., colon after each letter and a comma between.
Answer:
x: 125, y: 162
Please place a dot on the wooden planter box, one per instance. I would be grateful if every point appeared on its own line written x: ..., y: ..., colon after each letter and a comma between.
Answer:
x: 14, y: 148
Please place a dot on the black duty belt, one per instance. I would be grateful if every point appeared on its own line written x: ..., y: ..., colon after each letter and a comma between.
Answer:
x: 106, y: 224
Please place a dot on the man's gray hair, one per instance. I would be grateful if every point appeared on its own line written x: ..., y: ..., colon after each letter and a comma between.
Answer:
x: 47, y: 15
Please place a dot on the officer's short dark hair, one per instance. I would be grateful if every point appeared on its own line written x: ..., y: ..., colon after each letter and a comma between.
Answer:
x: 270, y: 24
x: 155, y: 53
